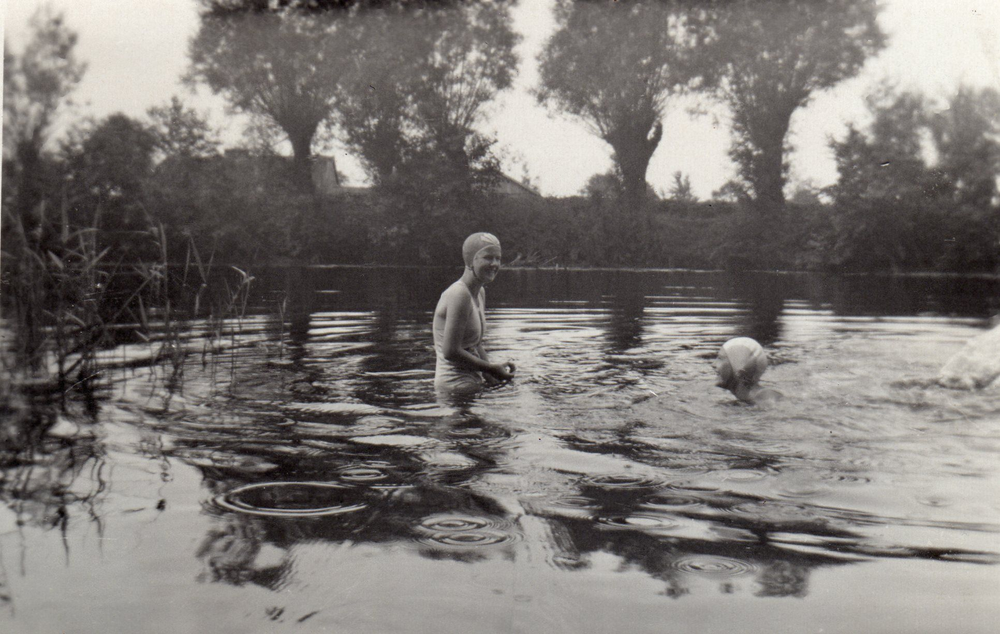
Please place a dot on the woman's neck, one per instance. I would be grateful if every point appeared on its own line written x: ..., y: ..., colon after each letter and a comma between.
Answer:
x: 469, y: 279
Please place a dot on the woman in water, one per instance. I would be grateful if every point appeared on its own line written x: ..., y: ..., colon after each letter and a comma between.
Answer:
x: 460, y: 322
x: 742, y: 361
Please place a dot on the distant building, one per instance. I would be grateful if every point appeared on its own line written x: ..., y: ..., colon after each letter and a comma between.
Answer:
x: 327, y: 180
x: 510, y: 187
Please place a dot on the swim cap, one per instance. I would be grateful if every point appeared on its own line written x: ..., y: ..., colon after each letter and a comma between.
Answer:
x: 744, y: 358
x: 476, y: 243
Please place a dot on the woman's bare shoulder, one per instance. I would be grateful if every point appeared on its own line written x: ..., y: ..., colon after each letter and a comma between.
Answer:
x: 456, y: 295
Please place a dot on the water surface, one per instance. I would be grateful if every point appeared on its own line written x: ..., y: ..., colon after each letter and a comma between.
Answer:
x: 301, y: 474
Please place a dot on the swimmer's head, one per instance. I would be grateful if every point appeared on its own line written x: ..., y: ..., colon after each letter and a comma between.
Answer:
x: 476, y: 243
x: 481, y: 253
x: 741, y: 363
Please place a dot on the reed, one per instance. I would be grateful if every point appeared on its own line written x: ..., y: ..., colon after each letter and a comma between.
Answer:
x: 66, y: 299
x: 56, y: 301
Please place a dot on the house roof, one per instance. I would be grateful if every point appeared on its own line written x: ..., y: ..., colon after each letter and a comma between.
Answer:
x: 527, y: 189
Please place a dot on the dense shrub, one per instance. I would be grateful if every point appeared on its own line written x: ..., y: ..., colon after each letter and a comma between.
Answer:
x: 386, y: 227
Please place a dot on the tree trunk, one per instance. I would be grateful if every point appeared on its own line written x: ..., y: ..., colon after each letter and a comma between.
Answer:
x: 767, y: 169
x: 302, y: 158
x: 769, y: 179
x: 633, y: 148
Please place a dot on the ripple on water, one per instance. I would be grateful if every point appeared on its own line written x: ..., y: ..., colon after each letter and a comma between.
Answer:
x: 647, y: 522
x: 374, y: 474
x: 849, y: 478
x: 622, y: 481
x: 669, y: 500
x: 461, y: 531
x: 479, y: 436
x: 344, y: 409
x: 743, y: 475
x: 576, y: 506
x: 692, y: 486
x: 391, y: 440
x: 935, y: 501
x: 713, y: 566
x: 765, y: 448
x: 362, y: 474
x: 804, y: 489
x: 218, y: 459
x: 774, y: 512
x: 292, y: 499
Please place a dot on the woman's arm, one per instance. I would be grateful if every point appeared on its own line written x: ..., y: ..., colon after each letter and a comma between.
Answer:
x: 458, y: 309
x: 508, y: 365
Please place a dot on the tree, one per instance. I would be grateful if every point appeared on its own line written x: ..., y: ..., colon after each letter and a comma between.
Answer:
x: 108, y: 165
x: 680, y: 189
x: 471, y: 61
x: 773, y: 57
x: 375, y: 101
x: 602, y: 186
x: 886, y: 196
x: 280, y: 60
x: 967, y: 138
x: 887, y: 162
x: 806, y: 194
x: 613, y: 67
x: 181, y: 132
x: 36, y: 85
x: 420, y: 80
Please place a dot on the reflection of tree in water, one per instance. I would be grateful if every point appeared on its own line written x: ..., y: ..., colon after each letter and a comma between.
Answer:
x: 255, y: 549
x: 869, y: 295
x: 404, y: 490
x: 246, y: 548
x: 387, y: 350
x: 402, y: 346
x: 625, y: 321
x: 52, y: 469
x: 675, y: 560
x: 764, y: 298
x: 231, y: 553
x: 783, y: 579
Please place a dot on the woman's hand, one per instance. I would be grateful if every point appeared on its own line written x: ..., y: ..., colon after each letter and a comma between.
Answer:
x: 503, y: 371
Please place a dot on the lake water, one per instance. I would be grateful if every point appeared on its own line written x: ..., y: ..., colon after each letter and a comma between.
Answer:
x: 302, y: 476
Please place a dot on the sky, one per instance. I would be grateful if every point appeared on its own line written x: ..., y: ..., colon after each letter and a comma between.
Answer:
x: 136, y: 52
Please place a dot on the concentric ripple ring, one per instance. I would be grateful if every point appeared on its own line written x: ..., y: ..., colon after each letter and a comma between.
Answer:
x: 291, y: 499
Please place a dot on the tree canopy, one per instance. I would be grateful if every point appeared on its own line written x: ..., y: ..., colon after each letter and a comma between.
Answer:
x: 967, y: 138
x: 918, y: 186
x: 613, y: 66
x: 36, y: 84
x: 398, y: 77
x: 773, y: 56
x: 182, y: 132
x: 420, y: 80
x: 280, y: 60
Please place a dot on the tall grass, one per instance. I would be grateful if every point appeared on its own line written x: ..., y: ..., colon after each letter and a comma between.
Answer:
x: 55, y: 300
x: 66, y: 299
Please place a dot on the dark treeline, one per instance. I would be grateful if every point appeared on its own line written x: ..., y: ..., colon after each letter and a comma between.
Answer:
x: 404, y: 86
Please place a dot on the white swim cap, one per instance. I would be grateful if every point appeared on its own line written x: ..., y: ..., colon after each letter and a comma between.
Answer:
x: 476, y: 243
x: 743, y: 358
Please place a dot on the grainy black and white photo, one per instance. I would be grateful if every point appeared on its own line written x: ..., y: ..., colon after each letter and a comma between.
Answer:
x: 500, y: 316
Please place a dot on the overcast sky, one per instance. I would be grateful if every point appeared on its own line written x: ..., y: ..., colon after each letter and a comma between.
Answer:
x: 137, y: 51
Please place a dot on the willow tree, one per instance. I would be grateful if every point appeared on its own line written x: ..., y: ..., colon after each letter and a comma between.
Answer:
x: 967, y: 138
x: 773, y: 56
x: 37, y: 83
x: 613, y: 66
x: 420, y: 79
x: 281, y: 60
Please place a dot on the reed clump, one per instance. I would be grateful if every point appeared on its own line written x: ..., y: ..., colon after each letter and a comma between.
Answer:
x: 68, y: 302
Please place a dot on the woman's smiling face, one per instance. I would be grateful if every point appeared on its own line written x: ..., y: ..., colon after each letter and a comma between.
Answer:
x: 486, y: 264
